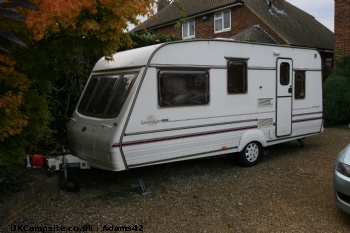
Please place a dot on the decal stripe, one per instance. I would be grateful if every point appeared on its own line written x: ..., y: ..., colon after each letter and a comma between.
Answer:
x: 162, y: 139
x: 307, y: 119
x: 305, y: 114
x: 190, y: 127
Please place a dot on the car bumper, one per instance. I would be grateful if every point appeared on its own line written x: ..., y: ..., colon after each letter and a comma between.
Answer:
x: 342, y: 192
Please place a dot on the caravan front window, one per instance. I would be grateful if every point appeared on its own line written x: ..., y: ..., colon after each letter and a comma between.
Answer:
x: 104, y: 95
x: 183, y: 87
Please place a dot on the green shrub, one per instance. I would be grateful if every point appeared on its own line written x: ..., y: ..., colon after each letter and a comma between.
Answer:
x: 145, y: 39
x: 336, y: 91
x: 343, y: 67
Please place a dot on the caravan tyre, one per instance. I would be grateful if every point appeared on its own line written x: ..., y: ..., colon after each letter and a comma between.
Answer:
x: 249, y: 156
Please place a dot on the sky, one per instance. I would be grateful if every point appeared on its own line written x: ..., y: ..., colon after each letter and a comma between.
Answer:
x: 322, y: 10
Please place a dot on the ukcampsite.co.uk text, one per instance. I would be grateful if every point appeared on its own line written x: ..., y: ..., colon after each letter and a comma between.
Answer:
x: 53, y: 228
x: 87, y: 228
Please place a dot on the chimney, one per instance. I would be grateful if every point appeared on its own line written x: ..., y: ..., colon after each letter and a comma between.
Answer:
x: 161, y: 4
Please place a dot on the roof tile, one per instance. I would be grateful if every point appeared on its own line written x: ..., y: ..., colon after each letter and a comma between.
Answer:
x: 295, y: 26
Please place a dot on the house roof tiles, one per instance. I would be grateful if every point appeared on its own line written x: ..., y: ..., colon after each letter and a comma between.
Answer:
x: 255, y: 33
x: 173, y: 13
x: 295, y: 26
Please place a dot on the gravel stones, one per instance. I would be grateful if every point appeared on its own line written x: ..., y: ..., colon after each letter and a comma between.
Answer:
x: 290, y: 190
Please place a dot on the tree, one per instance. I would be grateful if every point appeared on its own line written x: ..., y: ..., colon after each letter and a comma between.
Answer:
x: 99, y: 21
x: 145, y: 39
x: 64, y: 38
x: 13, y: 84
x: 6, y: 11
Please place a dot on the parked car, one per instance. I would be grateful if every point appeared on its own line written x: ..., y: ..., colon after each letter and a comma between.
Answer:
x: 342, y: 180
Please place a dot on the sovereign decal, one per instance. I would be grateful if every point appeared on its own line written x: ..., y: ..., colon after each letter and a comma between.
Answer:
x: 151, y: 121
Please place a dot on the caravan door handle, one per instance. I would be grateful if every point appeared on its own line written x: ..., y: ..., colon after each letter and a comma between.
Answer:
x: 290, y: 90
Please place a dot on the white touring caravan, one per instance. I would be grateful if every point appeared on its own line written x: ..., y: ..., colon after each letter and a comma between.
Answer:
x: 194, y: 99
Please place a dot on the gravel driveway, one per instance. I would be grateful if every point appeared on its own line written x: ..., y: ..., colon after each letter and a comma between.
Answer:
x: 290, y: 190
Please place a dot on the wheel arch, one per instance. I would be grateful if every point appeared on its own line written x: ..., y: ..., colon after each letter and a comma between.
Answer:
x: 251, y: 136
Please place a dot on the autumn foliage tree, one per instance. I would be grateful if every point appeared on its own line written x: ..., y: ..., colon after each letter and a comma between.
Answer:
x: 96, y: 21
x: 64, y: 38
x: 13, y: 84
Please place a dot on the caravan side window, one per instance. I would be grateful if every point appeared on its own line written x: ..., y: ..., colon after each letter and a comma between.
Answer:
x: 299, y: 86
x: 237, y: 77
x: 183, y: 87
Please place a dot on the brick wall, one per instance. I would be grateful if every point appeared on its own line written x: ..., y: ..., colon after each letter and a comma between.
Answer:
x: 341, y: 28
x: 241, y: 19
x: 170, y: 30
x: 23, y: 202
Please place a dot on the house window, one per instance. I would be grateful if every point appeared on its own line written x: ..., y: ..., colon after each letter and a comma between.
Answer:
x: 222, y: 21
x: 188, y: 30
x: 183, y: 87
x: 284, y: 73
x: 299, y: 86
x: 237, y: 77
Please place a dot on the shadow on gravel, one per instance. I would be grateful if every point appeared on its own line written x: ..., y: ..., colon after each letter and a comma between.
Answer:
x: 119, y: 184
x: 291, y: 148
x: 126, y: 182
x: 345, y: 218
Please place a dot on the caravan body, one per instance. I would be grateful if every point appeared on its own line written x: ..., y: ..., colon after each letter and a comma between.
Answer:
x: 194, y: 99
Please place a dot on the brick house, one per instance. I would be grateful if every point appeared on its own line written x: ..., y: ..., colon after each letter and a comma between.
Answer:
x: 263, y: 21
x: 341, y: 28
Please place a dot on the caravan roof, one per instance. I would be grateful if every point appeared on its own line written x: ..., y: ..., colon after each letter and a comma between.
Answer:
x: 127, y: 59
x: 208, y: 53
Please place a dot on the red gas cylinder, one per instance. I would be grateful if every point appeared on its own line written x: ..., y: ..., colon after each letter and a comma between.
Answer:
x: 37, y: 160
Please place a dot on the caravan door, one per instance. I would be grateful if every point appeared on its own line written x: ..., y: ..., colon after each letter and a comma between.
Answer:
x: 284, y: 97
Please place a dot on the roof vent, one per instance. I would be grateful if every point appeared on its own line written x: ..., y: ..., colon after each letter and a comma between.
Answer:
x: 276, y: 6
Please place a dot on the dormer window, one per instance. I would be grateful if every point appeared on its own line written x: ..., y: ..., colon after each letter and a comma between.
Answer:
x: 222, y: 21
x: 188, y: 30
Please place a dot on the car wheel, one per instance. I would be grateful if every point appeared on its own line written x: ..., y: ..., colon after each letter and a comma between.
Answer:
x: 249, y: 156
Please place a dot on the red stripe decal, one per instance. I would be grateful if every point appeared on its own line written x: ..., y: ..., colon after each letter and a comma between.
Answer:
x: 308, y: 119
x: 154, y: 140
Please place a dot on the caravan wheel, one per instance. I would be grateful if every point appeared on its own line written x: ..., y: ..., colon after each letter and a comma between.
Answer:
x: 250, y: 154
